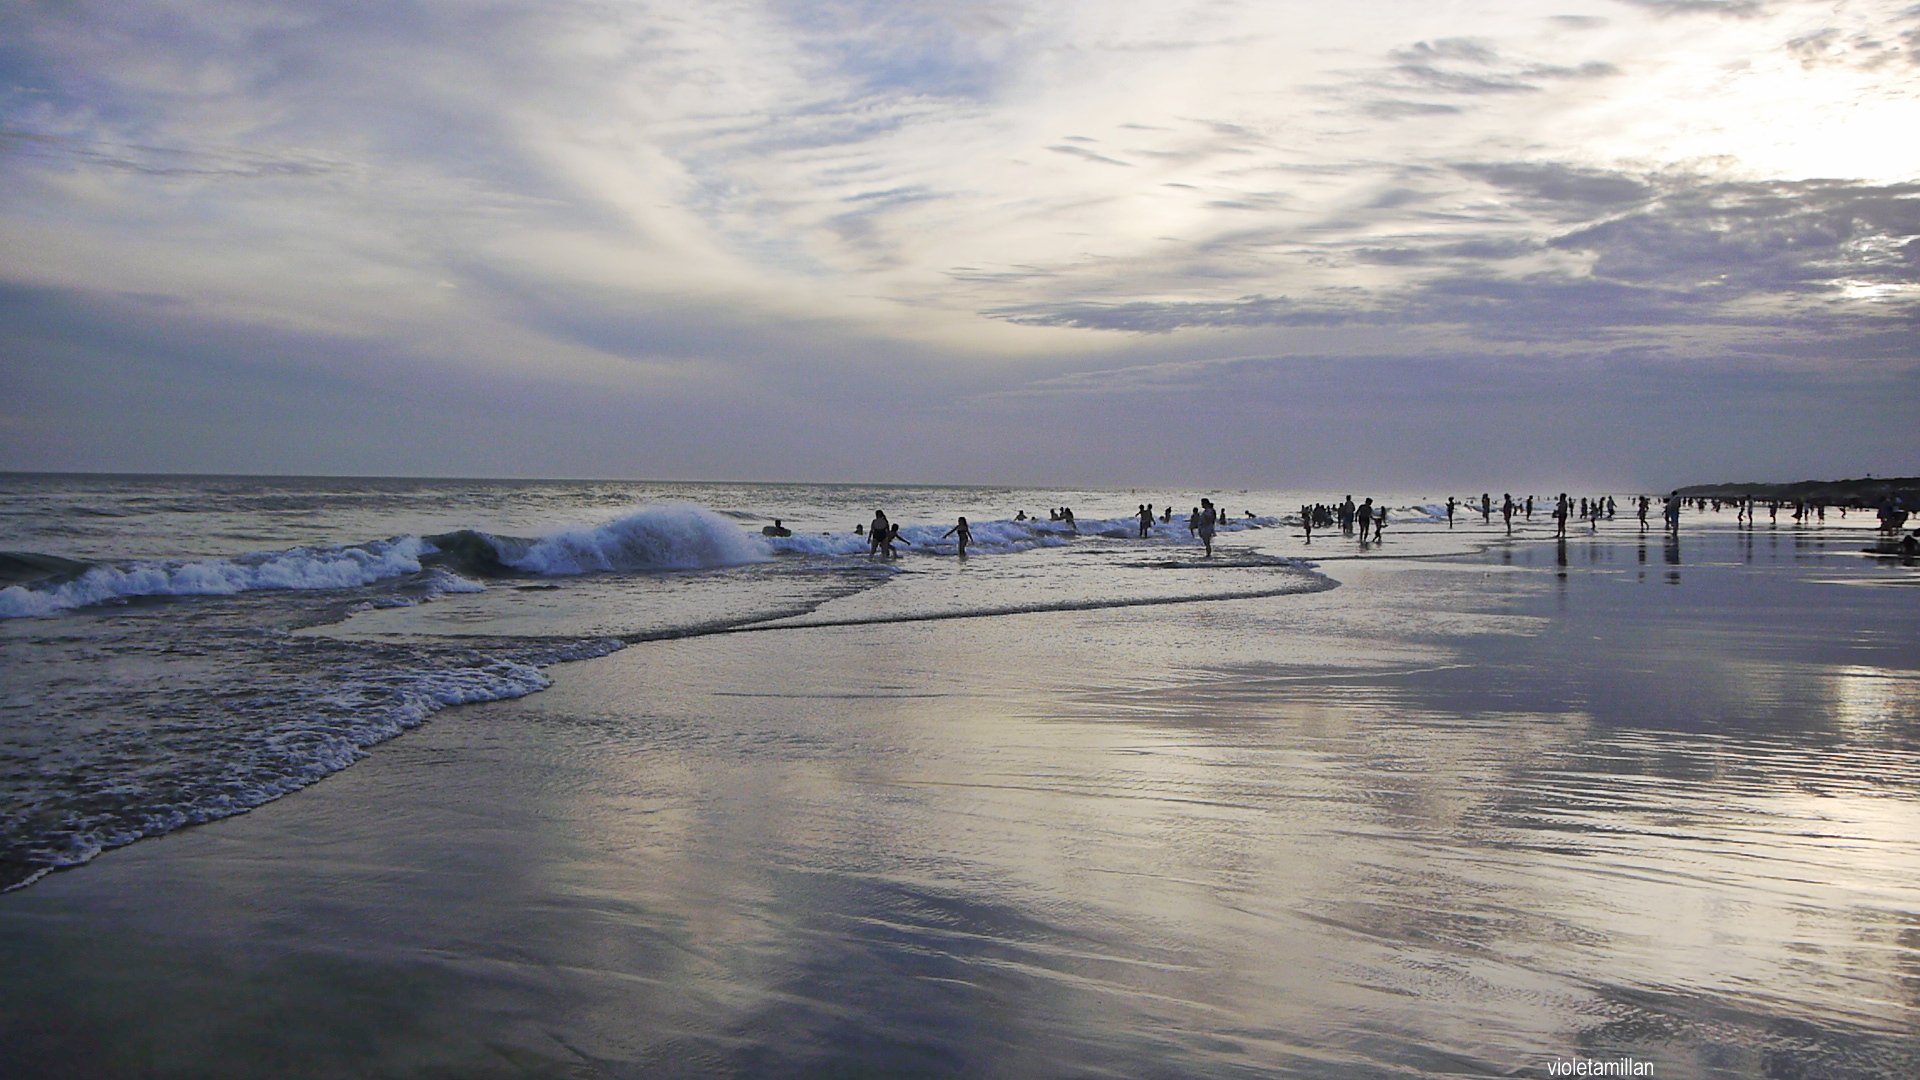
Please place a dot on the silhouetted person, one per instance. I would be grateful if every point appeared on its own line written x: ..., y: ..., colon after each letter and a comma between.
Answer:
x: 963, y: 535
x: 1486, y: 508
x: 1365, y: 514
x: 1208, y: 518
x: 1146, y: 520
x: 1450, y: 505
x: 1506, y: 511
x: 776, y: 529
x: 878, y: 533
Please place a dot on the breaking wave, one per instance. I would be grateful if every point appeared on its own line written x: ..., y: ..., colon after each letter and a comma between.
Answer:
x: 668, y: 537
x: 297, y: 568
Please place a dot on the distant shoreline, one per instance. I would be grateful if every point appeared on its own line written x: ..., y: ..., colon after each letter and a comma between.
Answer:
x: 1864, y: 492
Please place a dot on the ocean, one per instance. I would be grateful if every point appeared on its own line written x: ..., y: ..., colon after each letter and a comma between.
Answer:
x: 179, y: 649
x: 321, y: 777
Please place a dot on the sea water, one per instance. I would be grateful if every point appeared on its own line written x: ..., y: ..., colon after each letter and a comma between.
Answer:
x: 174, y: 650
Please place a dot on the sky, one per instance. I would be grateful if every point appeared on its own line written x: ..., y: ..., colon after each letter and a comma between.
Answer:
x: 1274, y: 243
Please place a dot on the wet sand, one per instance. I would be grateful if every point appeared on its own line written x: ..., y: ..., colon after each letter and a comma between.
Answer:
x: 1459, y: 816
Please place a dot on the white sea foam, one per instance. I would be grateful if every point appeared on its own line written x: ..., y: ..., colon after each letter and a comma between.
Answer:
x: 319, y: 731
x: 297, y: 568
x: 674, y: 536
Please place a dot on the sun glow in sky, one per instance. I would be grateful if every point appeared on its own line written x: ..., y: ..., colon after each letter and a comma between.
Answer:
x: 1658, y: 241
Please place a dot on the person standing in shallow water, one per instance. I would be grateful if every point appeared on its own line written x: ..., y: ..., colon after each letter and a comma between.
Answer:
x: 1146, y: 520
x: 1208, y: 518
x: 963, y: 536
x: 878, y: 533
x: 1365, y: 514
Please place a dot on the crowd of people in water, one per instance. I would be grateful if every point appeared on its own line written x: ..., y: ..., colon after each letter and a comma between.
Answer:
x: 1369, y: 520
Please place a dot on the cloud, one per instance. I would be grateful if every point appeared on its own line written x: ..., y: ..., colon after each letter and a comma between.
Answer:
x: 1761, y: 238
x: 1396, y: 110
x: 1893, y: 43
x: 1089, y: 155
x: 159, y: 161
x: 1159, y: 317
x: 1699, y: 7
x: 1663, y: 253
x: 867, y: 207
x: 1556, y: 183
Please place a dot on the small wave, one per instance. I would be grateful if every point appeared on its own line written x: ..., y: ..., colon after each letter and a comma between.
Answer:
x: 297, y: 568
x: 21, y: 567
